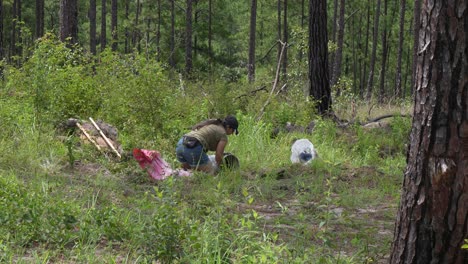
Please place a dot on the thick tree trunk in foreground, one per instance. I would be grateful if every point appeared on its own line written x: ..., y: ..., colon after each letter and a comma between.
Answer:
x: 432, y: 221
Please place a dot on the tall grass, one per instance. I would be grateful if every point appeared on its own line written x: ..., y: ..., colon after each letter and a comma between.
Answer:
x: 62, y: 201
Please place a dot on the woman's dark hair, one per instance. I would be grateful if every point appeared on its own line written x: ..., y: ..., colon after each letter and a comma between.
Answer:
x: 230, y: 121
x: 207, y: 122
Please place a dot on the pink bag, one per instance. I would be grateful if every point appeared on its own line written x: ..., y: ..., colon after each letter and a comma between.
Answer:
x: 156, y: 166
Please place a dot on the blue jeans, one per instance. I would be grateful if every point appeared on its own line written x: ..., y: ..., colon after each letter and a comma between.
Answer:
x: 193, y: 156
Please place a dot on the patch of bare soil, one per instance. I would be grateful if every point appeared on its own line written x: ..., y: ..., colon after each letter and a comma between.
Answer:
x: 350, y: 230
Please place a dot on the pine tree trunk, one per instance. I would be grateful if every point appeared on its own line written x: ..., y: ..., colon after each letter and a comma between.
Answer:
x: 188, y: 38
x: 339, y: 51
x: 2, y: 47
x: 370, y: 81
x: 114, y: 14
x: 103, y: 38
x: 400, y: 49
x: 285, y: 40
x: 127, y: 30
x: 432, y: 220
x: 333, y: 39
x: 253, y: 31
x: 416, y: 25
x: 318, y: 56
x: 69, y: 21
x: 39, y: 19
x: 158, y: 33
x: 384, y: 56
x: 172, y: 37
x: 92, y: 26
x: 280, y: 38
x: 210, y: 35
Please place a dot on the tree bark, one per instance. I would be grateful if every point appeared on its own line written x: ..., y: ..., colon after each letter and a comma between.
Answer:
x: 333, y: 38
x: 188, y: 38
x: 136, y: 31
x: 210, y: 35
x: 253, y: 31
x: 400, y: 49
x: 363, y: 64
x: 92, y: 26
x: 384, y: 56
x: 69, y: 21
x: 285, y: 40
x: 127, y: 30
x: 318, y: 56
x: 280, y: 38
x: 432, y: 220
x: 103, y: 39
x: 370, y: 81
x: 158, y: 33
x: 39, y: 19
x: 339, y: 51
x: 114, y: 13
x: 416, y: 25
x: 172, y: 37
x: 2, y: 47
x: 303, y: 18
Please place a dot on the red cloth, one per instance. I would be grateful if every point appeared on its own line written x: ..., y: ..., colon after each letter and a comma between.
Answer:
x: 152, y: 161
x: 155, y: 165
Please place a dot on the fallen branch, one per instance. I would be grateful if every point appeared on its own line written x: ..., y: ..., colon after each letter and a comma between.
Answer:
x: 88, y: 136
x: 105, y: 138
x: 387, y: 116
x: 263, y: 88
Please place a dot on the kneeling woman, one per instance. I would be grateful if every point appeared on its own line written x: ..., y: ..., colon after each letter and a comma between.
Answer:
x: 209, y: 135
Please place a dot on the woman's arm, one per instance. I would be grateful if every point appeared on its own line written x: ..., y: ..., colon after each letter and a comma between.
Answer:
x: 220, y: 152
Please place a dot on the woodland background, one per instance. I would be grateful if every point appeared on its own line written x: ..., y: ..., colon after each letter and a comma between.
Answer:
x: 154, y: 68
x: 370, y: 42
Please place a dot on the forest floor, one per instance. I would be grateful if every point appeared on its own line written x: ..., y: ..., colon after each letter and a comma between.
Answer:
x: 350, y: 213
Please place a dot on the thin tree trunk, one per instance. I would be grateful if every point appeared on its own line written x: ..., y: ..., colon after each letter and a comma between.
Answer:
x: 92, y: 26
x: 333, y: 39
x: 253, y: 30
x: 400, y: 49
x: 172, y: 37
x: 127, y: 31
x: 158, y: 33
x: 13, y: 30
x: 136, y: 31
x: 2, y: 47
x: 39, y: 18
x: 356, y: 69
x: 285, y: 39
x: 366, y: 53
x: 188, y: 38
x: 210, y: 35
x: 339, y: 51
x: 384, y: 56
x: 303, y: 17
x: 114, y: 16
x: 370, y: 81
x: 279, y: 30
x: 19, y: 48
x: 103, y: 25
x: 432, y: 219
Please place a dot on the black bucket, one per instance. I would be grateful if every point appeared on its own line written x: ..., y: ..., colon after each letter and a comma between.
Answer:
x: 230, y: 161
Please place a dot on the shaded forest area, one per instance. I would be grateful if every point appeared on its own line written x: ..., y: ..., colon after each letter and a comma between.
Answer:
x: 370, y: 42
